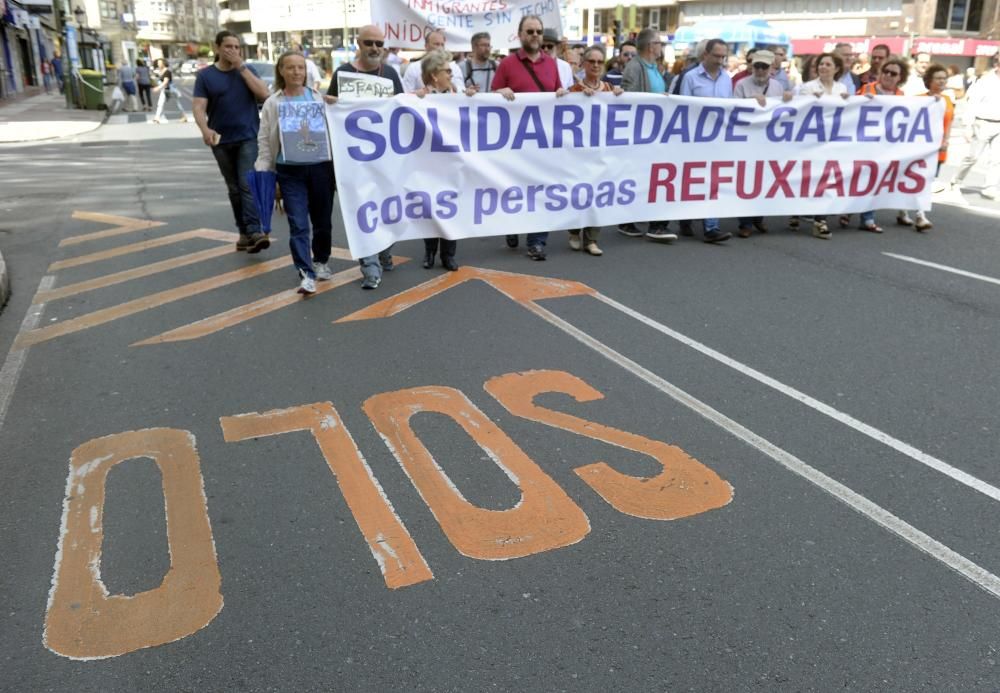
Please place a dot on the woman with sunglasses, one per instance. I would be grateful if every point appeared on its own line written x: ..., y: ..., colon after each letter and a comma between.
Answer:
x: 893, y: 73
x: 293, y: 141
x: 592, y: 83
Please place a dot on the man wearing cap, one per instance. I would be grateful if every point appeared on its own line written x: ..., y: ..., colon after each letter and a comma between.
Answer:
x: 760, y: 85
x: 550, y: 44
x: 528, y: 69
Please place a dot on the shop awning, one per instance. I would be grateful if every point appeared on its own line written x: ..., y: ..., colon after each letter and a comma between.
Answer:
x: 861, y: 44
x: 756, y: 31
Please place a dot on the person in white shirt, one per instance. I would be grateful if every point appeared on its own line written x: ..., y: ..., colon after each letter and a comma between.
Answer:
x: 412, y: 79
x: 982, y: 130
x: 830, y: 70
x: 550, y: 44
x: 914, y: 85
x: 313, y: 74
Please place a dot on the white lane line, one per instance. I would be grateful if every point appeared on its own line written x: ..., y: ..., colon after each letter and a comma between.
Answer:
x: 835, y: 414
x: 932, y: 547
x: 944, y: 268
x: 11, y: 370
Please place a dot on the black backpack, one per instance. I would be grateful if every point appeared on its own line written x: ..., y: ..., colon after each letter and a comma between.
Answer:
x: 491, y: 66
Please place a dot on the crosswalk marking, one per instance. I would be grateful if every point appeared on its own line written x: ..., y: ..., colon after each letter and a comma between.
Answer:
x: 99, y: 317
x: 128, y: 275
x: 207, y: 234
x: 122, y: 225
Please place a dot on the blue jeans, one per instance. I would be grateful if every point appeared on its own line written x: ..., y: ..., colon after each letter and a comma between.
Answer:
x: 371, y: 266
x: 711, y: 225
x: 867, y: 218
x: 308, y: 195
x: 235, y: 159
x: 537, y: 239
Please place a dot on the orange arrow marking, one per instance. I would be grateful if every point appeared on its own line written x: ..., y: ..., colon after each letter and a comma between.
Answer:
x: 522, y: 288
x: 122, y: 225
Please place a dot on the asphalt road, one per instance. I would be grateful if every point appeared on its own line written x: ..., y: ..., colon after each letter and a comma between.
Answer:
x: 825, y: 520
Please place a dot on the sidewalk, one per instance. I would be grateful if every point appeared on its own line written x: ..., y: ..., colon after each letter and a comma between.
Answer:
x: 44, y: 117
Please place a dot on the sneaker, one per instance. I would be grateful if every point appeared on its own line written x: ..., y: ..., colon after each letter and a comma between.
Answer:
x: 243, y: 243
x: 574, y: 241
x: 307, y: 286
x: 903, y: 219
x: 939, y: 186
x: 594, y: 250
x: 536, y: 252
x: 629, y: 229
x: 322, y: 270
x: 660, y: 232
x: 258, y: 242
x: 716, y: 236
x: 371, y: 282
x: 988, y: 193
x: 512, y: 241
x: 923, y: 223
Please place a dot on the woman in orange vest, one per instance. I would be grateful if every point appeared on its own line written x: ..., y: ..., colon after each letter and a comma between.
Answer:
x: 936, y: 81
x: 894, y: 72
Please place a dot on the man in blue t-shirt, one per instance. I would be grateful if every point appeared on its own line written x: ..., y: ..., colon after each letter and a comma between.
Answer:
x: 225, y: 109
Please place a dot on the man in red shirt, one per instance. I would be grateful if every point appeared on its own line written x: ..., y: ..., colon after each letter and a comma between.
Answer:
x: 528, y: 69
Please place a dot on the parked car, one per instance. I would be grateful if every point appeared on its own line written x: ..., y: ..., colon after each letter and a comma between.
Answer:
x: 189, y: 67
x: 265, y: 70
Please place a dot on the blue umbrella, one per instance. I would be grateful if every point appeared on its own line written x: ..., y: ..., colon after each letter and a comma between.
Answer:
x: 262, y: 185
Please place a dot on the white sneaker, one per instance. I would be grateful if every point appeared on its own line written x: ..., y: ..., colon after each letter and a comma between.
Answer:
x: 903, y: 219
x: 574, y: 241
x: 323, y: 271
x: 988, y: 193
x: 594, y: 250
x: 308, y: 286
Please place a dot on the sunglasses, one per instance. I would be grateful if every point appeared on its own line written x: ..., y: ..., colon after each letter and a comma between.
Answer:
x: 548, y: 46
x: 594, y: 62
x: 892, y: 73
x: 368, y: 43
x: 533, y: 32
x: 761, y: 66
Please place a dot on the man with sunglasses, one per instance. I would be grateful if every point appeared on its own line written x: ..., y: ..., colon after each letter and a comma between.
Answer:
x: 626, y: 53
x: 528, y: 69
x: 371, y: 42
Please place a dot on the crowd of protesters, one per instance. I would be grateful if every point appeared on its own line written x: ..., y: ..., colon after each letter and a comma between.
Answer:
x: 546, y: 63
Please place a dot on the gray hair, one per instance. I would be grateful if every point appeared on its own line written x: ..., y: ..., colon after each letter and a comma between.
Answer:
x: 431, y: 63
x: 477, y: 37
x: 597, y: 47
x: 700, y: 49
x: 646, y: 37
x: 427, y: 38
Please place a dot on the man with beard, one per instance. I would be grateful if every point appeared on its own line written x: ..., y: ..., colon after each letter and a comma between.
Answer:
x: 371, y: 41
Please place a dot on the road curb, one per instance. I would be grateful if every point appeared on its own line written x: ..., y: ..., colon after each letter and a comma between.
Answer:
x: 4, y: 282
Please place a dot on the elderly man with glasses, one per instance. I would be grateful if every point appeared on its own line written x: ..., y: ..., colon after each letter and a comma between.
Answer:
x: 760, y: 85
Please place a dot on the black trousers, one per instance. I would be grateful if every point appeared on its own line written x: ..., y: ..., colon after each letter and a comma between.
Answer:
x: 448, y: 248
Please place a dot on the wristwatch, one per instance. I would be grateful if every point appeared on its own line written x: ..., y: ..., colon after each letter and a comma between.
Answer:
x: 243, y: 67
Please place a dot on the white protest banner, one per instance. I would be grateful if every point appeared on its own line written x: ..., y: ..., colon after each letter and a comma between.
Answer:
x: 454, y: 166
x: 407, y: 22
x: 358, y: 85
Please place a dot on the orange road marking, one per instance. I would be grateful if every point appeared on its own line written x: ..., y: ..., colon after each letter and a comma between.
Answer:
x: 522, y: 288
x: 99, y: 317
x: 545, y: 518
x: 82, y: 620
x: 208, y: 234
x: 394, y: 550
x: 128, y: 275
x: 215, y: 323
x: 122, y: 225
x: 685, y: 487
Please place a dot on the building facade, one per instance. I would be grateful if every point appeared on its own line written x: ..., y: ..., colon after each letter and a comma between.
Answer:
x: 175, y: 28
